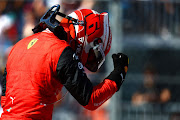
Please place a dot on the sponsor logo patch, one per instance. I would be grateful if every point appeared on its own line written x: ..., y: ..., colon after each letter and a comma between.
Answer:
x: 31, y: 43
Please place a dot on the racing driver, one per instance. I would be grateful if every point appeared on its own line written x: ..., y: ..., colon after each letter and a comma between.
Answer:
x: 39, y: 66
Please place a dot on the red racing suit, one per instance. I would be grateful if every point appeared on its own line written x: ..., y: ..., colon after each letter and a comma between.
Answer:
x: 37, y: 67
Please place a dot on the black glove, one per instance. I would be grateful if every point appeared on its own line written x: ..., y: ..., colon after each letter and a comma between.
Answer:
x: 120, y: 62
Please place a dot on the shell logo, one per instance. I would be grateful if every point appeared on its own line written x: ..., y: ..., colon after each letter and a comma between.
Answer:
x: 32, y: 42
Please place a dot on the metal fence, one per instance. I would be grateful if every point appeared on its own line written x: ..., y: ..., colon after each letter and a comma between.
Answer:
x: 154, y: 17
x: 148, y: 31
x: 150, y: 112
x: 150, y: 109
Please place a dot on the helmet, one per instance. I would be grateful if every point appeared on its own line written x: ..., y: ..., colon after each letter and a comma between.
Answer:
x: 93, y: 37
x: 87, y: 32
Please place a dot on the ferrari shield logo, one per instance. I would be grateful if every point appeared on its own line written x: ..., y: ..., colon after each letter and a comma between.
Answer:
x: 31, y: 43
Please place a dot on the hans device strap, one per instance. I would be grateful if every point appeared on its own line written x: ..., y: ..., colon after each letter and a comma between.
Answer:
x: 49, y: 20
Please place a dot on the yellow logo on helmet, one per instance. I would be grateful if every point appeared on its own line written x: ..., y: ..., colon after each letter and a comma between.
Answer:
x: 31, y: 43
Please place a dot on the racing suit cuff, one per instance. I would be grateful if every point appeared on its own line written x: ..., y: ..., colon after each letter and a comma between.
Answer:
x: 117, y: 78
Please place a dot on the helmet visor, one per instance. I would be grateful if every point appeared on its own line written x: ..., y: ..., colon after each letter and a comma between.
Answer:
x: 96, y: 58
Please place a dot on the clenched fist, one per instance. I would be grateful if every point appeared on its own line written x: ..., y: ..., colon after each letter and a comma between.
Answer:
x: 120, y: 62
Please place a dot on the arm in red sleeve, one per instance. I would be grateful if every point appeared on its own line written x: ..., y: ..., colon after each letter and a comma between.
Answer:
x: 101, y: 93
x: 71, y: 74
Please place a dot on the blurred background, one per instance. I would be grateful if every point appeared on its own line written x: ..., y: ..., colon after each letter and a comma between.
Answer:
x: 148, y: 31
